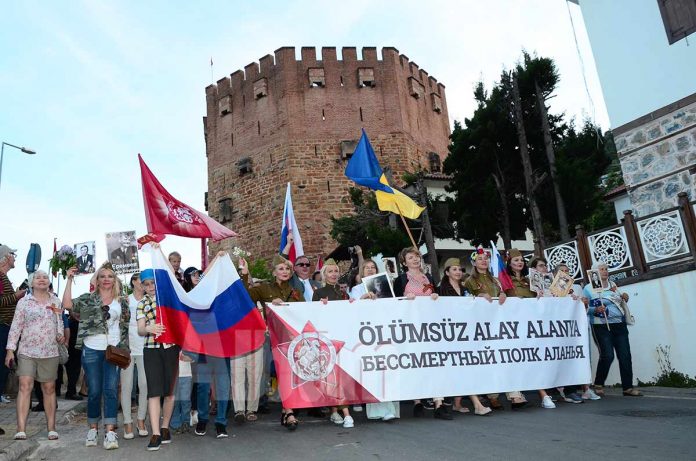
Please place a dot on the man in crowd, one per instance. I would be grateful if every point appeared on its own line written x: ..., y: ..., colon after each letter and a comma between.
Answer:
x: 302, y: 278
x: 85, y: 262
x: 8, y: 302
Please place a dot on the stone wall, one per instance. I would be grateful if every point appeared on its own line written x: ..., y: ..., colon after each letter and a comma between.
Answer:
x: 294, y: 133
x: 658, y: 157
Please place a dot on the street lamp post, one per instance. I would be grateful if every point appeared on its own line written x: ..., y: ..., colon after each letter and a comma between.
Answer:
x: 26, y: 150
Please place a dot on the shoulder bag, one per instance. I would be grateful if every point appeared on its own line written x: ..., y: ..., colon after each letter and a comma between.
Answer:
x: 119, y: 356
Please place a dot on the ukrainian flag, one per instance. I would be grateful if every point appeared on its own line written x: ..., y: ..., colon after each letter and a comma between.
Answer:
x: 363, y: 168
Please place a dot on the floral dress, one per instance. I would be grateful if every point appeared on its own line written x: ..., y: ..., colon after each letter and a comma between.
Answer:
x: 37, y: 325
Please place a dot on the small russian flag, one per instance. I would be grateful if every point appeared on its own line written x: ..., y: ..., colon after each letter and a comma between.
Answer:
x: 290, y: 228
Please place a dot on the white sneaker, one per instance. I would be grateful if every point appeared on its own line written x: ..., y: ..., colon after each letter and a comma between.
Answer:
x: 110, y: 441
x: 589, y: 394
x: 546, y: 402
x: 91, y: 438
x: 5, y: 399
x: 194, y: 418
x: 336, y: 418
x: 388, y: 417
x: 357, y: 408
x: 348, y: 422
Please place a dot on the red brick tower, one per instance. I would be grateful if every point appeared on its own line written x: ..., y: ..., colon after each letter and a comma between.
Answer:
x: 282, y: 120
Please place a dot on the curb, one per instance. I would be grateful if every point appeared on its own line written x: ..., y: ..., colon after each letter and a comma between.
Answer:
x: 21, y: 449
x: 18, y: 449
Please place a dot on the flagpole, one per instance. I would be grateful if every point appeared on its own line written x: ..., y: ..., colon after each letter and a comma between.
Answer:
x: 408, y: 231
x: 204, y: 254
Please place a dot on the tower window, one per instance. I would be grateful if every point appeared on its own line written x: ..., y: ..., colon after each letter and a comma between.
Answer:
x: 434, y: 162
x: 316, y: 77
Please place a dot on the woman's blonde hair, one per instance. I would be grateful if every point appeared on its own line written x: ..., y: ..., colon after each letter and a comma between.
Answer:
x: 116, y: 289
x: 323, y: 270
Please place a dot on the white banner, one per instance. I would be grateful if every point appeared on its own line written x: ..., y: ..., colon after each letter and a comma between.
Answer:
x: 396, y: 349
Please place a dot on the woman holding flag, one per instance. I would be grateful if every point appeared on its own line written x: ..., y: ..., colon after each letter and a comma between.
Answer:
x: 161, y: 364
x: 481, y: 283
x: 277, y: 292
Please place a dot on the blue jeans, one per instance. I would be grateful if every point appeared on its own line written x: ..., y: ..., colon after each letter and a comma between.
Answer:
x: 4, y: 371
x: 102, y: 380
x: 209, y: 368
x: 609, y: 341
x: 182, y: 402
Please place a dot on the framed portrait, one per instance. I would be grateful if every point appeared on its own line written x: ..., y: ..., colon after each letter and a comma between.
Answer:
x: 122, y: 251
x: 86, y: 256
x: 379, y: 284
x: 390, y: 266
x: 540, y: 282
x: 595, y: 280
x: 562, y: 284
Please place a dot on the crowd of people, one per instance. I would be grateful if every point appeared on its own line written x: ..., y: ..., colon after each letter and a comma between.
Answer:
x: 181, y: 391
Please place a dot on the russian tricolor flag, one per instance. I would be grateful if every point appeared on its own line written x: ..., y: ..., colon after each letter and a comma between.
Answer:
x: 216, y: 318
x: 290, y: 228
x: 498, y: 269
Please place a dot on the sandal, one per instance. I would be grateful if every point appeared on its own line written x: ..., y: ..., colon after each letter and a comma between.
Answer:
x: 599, y: 390
x: 239, y: 417
x: 632, y: 393
x: 251, y: 416
x: 52, y: 435
x: 20, y: 435
x: 461, y: 410
x: 290, y: 425
x: 485, y: 411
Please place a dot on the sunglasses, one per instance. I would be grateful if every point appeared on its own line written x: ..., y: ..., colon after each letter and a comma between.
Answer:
x: 106, y: 315
x: 303, y: 264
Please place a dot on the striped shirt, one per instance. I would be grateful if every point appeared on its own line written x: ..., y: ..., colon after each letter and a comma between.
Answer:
x: 8, y: 300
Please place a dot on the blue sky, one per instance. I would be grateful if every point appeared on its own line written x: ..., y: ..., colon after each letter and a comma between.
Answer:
x: 90, y: 84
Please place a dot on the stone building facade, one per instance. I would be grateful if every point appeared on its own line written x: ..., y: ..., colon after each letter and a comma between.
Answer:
x: 287, y: 120
x: 658, y: 156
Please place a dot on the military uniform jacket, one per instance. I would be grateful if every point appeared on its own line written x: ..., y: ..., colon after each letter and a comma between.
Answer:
x: 332, y: 292
x: 268, y: 291
x: 520, y: 288
x: 88, y: 307
x: 477, y: 284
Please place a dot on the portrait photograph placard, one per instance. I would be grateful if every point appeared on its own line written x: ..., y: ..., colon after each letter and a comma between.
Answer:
x: 562, y: 284
x: 122, y: 249
x: 390, y: 266
x: 595, y: 280
x: 540, y: 282
x: 379, y: 284
x: 85, y: 253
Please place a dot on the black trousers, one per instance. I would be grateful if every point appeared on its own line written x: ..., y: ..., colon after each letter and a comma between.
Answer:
x: 74, y: 364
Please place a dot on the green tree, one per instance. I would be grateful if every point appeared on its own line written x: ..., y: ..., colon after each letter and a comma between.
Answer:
x: 490, y: 195
x: 485, y: 164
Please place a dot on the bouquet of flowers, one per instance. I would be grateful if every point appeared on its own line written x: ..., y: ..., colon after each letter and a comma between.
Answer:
x: 239, y: 253
x: 62, y: 260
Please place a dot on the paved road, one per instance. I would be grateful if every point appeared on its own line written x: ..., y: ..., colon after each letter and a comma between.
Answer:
x: 659, y: 426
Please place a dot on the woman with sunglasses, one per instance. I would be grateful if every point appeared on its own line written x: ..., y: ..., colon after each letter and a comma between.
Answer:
x: 104, y: 319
